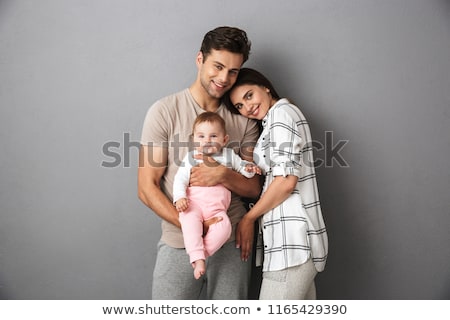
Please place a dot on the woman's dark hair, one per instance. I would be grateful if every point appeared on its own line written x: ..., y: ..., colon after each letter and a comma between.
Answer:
x: 252, y: 77
x: 226, y: 38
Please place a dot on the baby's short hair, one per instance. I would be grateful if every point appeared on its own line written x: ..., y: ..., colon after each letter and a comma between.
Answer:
x: 209, y: 117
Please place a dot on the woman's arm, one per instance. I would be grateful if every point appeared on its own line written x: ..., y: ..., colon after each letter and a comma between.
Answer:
x: 278, y: 191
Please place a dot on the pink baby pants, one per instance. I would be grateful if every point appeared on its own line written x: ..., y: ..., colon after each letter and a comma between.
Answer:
x: 205, y: 203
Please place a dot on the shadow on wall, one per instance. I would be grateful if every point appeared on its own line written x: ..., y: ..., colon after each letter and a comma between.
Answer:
x: 347, y: 265
x: 348, y: 268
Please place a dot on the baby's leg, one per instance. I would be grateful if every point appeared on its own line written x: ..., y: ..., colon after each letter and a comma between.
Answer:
x: 218, y: 234
x: 192, y: 226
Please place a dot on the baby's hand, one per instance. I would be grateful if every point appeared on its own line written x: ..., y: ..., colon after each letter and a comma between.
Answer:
x: 250, y: 167
x: 182, y: 204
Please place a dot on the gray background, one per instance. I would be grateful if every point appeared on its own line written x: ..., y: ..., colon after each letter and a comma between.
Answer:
x: 78, y: 76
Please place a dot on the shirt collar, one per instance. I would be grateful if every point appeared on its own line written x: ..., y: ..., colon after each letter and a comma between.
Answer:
x: 266, y: 117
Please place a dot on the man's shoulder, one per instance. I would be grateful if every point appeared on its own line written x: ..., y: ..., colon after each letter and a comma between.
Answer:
x: 236, y: 120
x: 172, y: 100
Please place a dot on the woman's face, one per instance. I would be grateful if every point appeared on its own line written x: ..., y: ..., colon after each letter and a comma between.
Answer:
x: 252, y: 101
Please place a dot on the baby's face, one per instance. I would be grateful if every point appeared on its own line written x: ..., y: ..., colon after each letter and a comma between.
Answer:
x: 209, y: 138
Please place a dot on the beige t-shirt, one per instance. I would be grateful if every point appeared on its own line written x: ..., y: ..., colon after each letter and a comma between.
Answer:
x: 168, y: 123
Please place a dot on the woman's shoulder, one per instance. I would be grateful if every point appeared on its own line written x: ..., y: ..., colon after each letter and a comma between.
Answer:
x: 284, y: 104
x: 283, y: 108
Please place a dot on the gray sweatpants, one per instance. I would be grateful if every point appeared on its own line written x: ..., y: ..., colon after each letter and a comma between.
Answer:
x: 227, y: 276
x: 295, y: 283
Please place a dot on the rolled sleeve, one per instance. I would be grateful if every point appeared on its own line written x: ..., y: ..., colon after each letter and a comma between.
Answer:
x: 285, y: 149
x: 286, y: 169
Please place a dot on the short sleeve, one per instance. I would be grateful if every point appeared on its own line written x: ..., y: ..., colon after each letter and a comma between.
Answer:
x: 155, y: 129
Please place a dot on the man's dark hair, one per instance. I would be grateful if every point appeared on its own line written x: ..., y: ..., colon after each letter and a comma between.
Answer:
x: 226, y: 38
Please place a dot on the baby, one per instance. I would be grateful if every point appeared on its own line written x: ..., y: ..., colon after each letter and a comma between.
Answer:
x: 196, y: 204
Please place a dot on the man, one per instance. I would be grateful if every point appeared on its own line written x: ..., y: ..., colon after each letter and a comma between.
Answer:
x: 164, y: 142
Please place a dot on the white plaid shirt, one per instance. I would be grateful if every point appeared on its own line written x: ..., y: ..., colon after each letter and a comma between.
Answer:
x: 293, y: 231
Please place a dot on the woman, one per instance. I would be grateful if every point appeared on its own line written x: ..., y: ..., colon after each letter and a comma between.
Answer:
x: 294, y: 243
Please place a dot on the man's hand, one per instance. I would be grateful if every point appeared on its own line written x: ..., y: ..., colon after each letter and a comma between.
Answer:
x: 207, y: 174
x: 210, y: 222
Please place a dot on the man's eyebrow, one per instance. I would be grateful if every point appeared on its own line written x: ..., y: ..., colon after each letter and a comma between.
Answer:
x: 222, y: 65
x: 219, y: 63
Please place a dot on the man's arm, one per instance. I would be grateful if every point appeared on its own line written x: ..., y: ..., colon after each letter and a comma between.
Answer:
x: 149, y: 191
x: 211, y: 173
x: 152, y: 165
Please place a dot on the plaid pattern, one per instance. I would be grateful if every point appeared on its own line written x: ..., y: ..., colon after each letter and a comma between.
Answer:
x: 294, y: 231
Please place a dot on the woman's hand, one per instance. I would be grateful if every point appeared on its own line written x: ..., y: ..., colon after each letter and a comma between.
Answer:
x: 244, y: 236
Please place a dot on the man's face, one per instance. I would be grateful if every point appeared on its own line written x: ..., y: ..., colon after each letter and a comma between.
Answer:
x: 218, y: 71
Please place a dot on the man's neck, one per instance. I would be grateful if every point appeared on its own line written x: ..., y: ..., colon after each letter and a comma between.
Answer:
x: 203, y: 99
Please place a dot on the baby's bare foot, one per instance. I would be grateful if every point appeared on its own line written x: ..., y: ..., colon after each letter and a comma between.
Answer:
x: 199, y: 268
